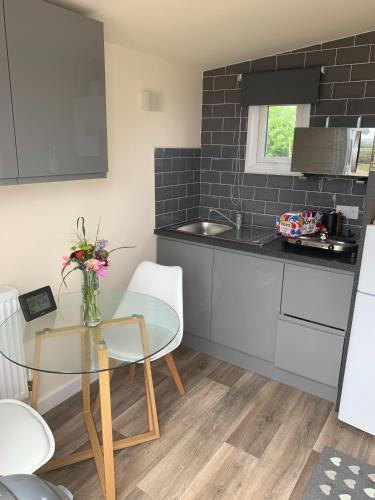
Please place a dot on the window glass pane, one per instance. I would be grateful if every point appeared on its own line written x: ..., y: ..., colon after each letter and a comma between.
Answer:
x: 281, y: 121
x: 366, y: 151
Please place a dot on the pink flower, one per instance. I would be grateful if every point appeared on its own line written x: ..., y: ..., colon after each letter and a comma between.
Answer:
x: 98, y: 266
x: 66, y: 261
x: 92, y: 265
x: 103, y: 269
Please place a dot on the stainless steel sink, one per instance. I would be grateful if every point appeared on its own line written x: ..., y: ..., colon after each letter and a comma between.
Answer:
x: 205, y: 228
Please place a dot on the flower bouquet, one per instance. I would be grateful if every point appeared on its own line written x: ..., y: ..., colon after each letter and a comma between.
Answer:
x: 92, y: 260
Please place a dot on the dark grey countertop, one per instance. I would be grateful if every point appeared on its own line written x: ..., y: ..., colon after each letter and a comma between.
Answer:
x: 276, y: 248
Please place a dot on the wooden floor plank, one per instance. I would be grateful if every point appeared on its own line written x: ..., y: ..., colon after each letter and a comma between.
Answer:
x: 197, y: 444
x: 192, y: 458
x: 226, y: 374
x: 70, y: 433
x: 347, y: 439
x: 168, y: 399
x: 366, y: 451
x: 134, y: 463
x: 136, y: 494
x: 277, y: 471
x: 226, y: 475
x: 74, y: 476
x: 261, y: 423
x: 305, y: 476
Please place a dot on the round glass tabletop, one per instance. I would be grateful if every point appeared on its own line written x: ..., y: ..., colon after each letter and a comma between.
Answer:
x: 58, y: 343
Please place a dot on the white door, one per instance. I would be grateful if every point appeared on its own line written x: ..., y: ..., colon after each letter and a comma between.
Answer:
x: 367, y: 275
x: 357, y: 405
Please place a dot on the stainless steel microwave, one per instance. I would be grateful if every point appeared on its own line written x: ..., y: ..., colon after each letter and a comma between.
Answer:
x: 333, y: 150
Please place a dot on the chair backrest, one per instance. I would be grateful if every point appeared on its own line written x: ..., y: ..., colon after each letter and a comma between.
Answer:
x: 26, y: 441
x: 162, y: 282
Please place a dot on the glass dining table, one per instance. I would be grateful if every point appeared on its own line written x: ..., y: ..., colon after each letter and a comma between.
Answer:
x: 134, y: 327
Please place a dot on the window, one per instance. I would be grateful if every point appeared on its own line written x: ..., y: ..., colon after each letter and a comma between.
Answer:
x: 270, y: 136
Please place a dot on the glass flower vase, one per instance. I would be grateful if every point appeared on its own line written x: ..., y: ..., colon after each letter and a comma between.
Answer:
x: 90, y: 299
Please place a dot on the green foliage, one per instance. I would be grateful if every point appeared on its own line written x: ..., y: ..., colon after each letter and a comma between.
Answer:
x: 280, y: 130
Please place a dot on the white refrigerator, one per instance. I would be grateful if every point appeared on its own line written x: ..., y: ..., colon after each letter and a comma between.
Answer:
x: 357, y: 406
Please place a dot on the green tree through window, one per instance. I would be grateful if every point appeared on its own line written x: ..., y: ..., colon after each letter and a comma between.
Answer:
x: 281, y: 121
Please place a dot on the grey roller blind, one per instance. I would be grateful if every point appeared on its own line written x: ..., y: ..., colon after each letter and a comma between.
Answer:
x: 292, y: 86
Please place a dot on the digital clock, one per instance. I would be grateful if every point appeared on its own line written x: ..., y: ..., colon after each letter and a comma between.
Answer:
x: 37, y: 303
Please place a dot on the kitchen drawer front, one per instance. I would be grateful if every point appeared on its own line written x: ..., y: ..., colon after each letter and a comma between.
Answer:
x: 308, y: 351
x: 317, y: 295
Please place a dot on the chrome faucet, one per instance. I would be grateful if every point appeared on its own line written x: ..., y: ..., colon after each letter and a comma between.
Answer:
x: 238, y: 222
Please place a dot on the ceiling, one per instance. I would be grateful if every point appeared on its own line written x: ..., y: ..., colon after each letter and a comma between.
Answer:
x: 212, y: 33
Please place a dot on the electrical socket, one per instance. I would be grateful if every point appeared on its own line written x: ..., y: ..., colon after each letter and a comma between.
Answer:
x: 347, y: 211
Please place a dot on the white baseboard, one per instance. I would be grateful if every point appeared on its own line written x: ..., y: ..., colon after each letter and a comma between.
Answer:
x: 58, y: 395
x: 61, y: 393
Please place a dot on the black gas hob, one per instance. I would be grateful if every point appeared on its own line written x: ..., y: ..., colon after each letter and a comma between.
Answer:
x: 323, y: 241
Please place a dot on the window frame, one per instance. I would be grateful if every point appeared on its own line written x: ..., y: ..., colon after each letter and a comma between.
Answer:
x: 256, y: 161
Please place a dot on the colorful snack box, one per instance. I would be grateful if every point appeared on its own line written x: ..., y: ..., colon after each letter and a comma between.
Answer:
x: 295, y: 224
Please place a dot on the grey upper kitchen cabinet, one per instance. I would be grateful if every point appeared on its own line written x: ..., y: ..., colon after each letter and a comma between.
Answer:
x: 196, y: 262
x: 246, y: 302
x: 8, y: 158
x: 56, y: 65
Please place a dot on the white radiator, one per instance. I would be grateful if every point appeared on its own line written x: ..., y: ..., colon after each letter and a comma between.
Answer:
x: 13, y: 378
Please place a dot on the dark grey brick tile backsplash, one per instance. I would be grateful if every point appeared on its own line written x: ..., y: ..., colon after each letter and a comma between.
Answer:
x: 177, y: 185
x: 190, y: 181
x: 263, y: 197
x: 347, y: 91
x: 187, y: 187
x: 341, y: 42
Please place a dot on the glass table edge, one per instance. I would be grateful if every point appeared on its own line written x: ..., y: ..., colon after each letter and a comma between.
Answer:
x: 120, y: 364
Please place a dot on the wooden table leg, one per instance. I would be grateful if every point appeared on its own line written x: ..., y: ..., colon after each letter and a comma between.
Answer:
x: 96, y: 405
x: 39, y: 336
x: 148, y: 402
x: 153, y: 422
x: 36, y: 372
x: 86, y: 403
x: 149, y: 384
x: 85, y: 353
x: 106, y: 419
x: 104, y: 455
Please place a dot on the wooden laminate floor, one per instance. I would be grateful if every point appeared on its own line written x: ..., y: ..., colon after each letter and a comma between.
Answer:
x: 235, y: 435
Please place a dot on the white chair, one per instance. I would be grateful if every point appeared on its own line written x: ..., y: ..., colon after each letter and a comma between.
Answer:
x: 164, y: 283
x: 26, y: 441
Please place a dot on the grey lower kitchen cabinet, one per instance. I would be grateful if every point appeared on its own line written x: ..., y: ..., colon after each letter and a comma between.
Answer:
x: 8, y: 158
x: 264, y: 314
x: 196, y: 262
x: 246, y: 302
x: 317, y: 295
x: 56, y: 65
x: 309, y: 350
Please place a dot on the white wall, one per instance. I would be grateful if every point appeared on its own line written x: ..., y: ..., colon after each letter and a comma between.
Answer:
x: 37, y: 221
